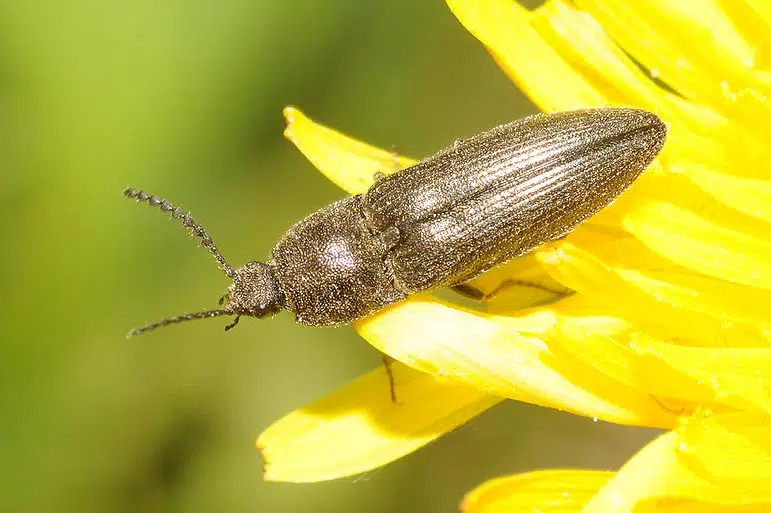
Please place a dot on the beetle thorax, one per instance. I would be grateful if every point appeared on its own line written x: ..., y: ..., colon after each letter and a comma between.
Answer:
x: 255, y: 291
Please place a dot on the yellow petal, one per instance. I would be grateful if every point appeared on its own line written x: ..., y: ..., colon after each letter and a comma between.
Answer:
x: 723, y: 246
x: 538, y: 69
x: 751, y: 196
x: 583, y: 44
x: 707, y: 463
x: 505, y: 356
x: 678, y: 375
x: 350, y: 164
x: 547, y: 491
x: 610, y: 353
x: 693, y: 46
x: 761, y: 10
x: 358, y: 428
x: 734, y: 377
x: 733, y: 451
x: 627, y: 278
x: 729, y: 314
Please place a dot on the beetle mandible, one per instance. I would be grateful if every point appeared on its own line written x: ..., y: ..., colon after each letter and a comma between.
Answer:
x: 441, y: 222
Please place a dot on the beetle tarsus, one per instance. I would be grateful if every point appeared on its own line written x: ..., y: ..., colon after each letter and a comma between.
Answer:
x: 233, y: 324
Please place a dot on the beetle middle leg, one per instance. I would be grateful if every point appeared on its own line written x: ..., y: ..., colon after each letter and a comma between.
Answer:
x: 472, y: 292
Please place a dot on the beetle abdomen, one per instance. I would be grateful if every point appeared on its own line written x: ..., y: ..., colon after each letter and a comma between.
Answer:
x: 504, y: 192
x: 331, y: 268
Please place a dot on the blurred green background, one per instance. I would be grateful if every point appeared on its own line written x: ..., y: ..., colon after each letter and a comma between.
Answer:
x: 184, y: 98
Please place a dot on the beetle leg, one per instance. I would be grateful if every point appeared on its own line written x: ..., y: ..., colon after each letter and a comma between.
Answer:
x: 233, y: 324
x: 387, y: 360
x: 469, y: 291
x: 472, y: 292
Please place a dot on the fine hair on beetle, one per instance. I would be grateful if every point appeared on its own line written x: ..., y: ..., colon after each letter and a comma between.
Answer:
x: 439, y: 223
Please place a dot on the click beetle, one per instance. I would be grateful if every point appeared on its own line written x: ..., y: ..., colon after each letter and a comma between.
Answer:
x: 441, y: 222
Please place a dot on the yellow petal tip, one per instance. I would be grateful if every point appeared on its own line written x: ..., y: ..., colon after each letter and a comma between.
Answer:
x: 292, y: 115
x: 290, y: 111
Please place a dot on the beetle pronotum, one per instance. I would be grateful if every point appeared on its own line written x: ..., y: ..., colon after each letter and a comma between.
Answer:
x: 441, y: 222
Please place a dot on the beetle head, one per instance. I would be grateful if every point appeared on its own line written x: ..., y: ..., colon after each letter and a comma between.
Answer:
x: 255, y: 291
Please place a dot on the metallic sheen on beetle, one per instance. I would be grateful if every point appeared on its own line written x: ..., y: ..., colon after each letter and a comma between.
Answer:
x: 441, y: 222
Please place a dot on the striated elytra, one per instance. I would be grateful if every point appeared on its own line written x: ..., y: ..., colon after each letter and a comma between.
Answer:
x: 441, y: 222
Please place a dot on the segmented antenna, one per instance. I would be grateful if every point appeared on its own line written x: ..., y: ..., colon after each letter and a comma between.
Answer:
x: 195, y: 228
x: 182, y: 318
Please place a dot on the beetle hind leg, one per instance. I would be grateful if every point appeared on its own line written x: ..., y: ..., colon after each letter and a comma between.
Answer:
x: 472, y: 292
x: 387, y: 361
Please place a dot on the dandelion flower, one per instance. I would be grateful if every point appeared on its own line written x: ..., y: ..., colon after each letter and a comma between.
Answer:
x: 669, y: 325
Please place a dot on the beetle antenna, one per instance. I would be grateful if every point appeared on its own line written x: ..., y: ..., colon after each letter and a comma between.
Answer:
x: 206, y: 314
x: 188, y: 221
